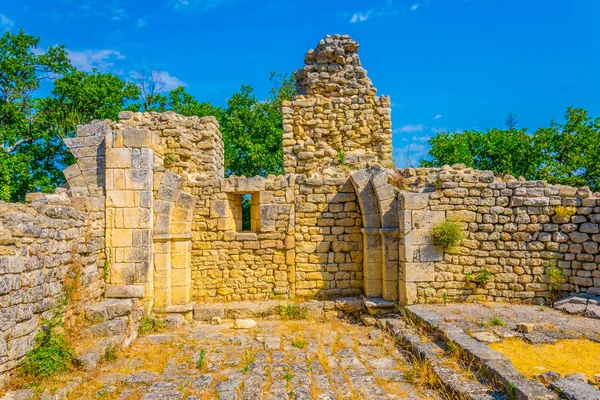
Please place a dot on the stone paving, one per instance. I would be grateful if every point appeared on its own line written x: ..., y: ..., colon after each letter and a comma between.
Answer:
x: 550, y: 325
x: 275, y: 360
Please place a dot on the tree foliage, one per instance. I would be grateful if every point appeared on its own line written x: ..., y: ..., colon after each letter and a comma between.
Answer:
x: 32, y: 153
x: 565, y: 153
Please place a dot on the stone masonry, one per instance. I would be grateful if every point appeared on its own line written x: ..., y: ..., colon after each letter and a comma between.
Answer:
x: 149, y: 218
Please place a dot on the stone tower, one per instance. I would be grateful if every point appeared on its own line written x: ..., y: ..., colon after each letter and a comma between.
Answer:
x: 336, y: 120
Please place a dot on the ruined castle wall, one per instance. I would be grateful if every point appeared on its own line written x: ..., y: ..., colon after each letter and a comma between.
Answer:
x: 511, y: 228
x: 328, y: 238
x: 51, y: 265
x: 231, y: 264
x: 336, y: 119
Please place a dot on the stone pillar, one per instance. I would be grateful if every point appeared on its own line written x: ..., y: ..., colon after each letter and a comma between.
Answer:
x: 417, y: 251
x: 129, y: 208
x: 372, y: 261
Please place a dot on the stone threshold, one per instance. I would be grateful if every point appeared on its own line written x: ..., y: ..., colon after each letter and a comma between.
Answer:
x: 334, y: 308
x: 494, y: 366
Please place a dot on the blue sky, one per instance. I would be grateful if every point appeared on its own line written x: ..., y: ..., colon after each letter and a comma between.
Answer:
x: 447, y: 64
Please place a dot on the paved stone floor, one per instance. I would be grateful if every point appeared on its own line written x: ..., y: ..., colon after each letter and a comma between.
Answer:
x: 275, y: 360
x: 550, y: 324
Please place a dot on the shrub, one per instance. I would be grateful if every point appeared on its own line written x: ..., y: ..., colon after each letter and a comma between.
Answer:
x: 496, y: 321
x: 50, y: 355
x: 292, y: 311
x: 150, y: 324
x: 447, y: 233
x: 564, y: 212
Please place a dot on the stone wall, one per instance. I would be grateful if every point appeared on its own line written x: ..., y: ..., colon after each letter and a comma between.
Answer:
x: 51, y: 265
x: 510, y: 228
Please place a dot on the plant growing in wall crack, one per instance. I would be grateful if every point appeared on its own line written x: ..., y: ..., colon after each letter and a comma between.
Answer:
x: 481, y: 278
x: 50, y: 355
x: 555, y: 277
x: 447, y: 233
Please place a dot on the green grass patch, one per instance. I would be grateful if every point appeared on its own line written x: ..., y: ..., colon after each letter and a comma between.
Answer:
x: 51, y: 355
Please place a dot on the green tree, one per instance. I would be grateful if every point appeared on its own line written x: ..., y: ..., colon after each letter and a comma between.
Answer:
x: 252, y: 129
x: 22, y: 69
x: 566, y: 153
x: 32, y: 154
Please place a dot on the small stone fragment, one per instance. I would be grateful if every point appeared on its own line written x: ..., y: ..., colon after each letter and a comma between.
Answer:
x: 244, y: 323
x: 547, y: 377
x: 368, y: 320
x: 525, y: 327
x: 577, y: 376
x: 216, y: 321
x: 486, y: 337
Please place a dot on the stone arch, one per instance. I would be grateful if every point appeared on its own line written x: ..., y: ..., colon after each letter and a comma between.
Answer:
x: 379, y: 208
x: 372, y: 243
x: 172, y: 243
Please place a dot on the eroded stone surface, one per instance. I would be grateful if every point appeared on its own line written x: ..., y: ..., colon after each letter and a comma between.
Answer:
x: 274, y: 360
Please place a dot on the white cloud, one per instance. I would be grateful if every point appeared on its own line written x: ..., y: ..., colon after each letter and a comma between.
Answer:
x: 360, y: 17
x: 170, y: 81
x: 414, y: 7
x: 141, y: 22
x: 410, y: 128
x: 87, y: 60
x: 202, y: 5
x: 6, y: 23
x: 164, y: 81
x: 437, y: 116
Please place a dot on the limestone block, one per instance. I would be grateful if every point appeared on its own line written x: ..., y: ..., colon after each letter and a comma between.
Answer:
x: 413, y: 201
x: 418, y: 272
x: 118, y: 158
x: 426, y: 219
x: 462, y: 216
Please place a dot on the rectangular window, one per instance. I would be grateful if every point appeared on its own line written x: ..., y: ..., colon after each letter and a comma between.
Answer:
x: 245, y: 211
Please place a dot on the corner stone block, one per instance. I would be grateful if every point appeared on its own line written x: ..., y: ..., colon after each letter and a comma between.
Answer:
x: 418, y: 237
x: 414, y: 201
x: 418, y: 272
x: 426, y: 219
x: 137, y: 138
x: 118, y: 158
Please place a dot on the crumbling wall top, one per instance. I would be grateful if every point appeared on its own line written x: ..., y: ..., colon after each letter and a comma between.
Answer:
x: 333, y: 69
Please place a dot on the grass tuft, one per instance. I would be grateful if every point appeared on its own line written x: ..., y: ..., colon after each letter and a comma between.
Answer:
x: 292, y: 311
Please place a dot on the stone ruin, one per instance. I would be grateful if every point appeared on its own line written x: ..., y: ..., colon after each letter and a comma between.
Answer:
x: 149, y: 223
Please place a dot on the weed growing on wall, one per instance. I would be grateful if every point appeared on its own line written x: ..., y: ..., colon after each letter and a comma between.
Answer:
x: 555, y: 276
x: 447, y: 233
x: 564, y: 212
x: 340, y: 157
x: 51, y: 355
x: 481, y: 278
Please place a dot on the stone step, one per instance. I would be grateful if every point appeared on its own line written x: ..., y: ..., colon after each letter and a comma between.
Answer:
x: 269, y: 308
x: 378, y: 306
x: 574, y: 389
x: 108, y: 309
x: 451, y: 376
x: 493, y: 365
